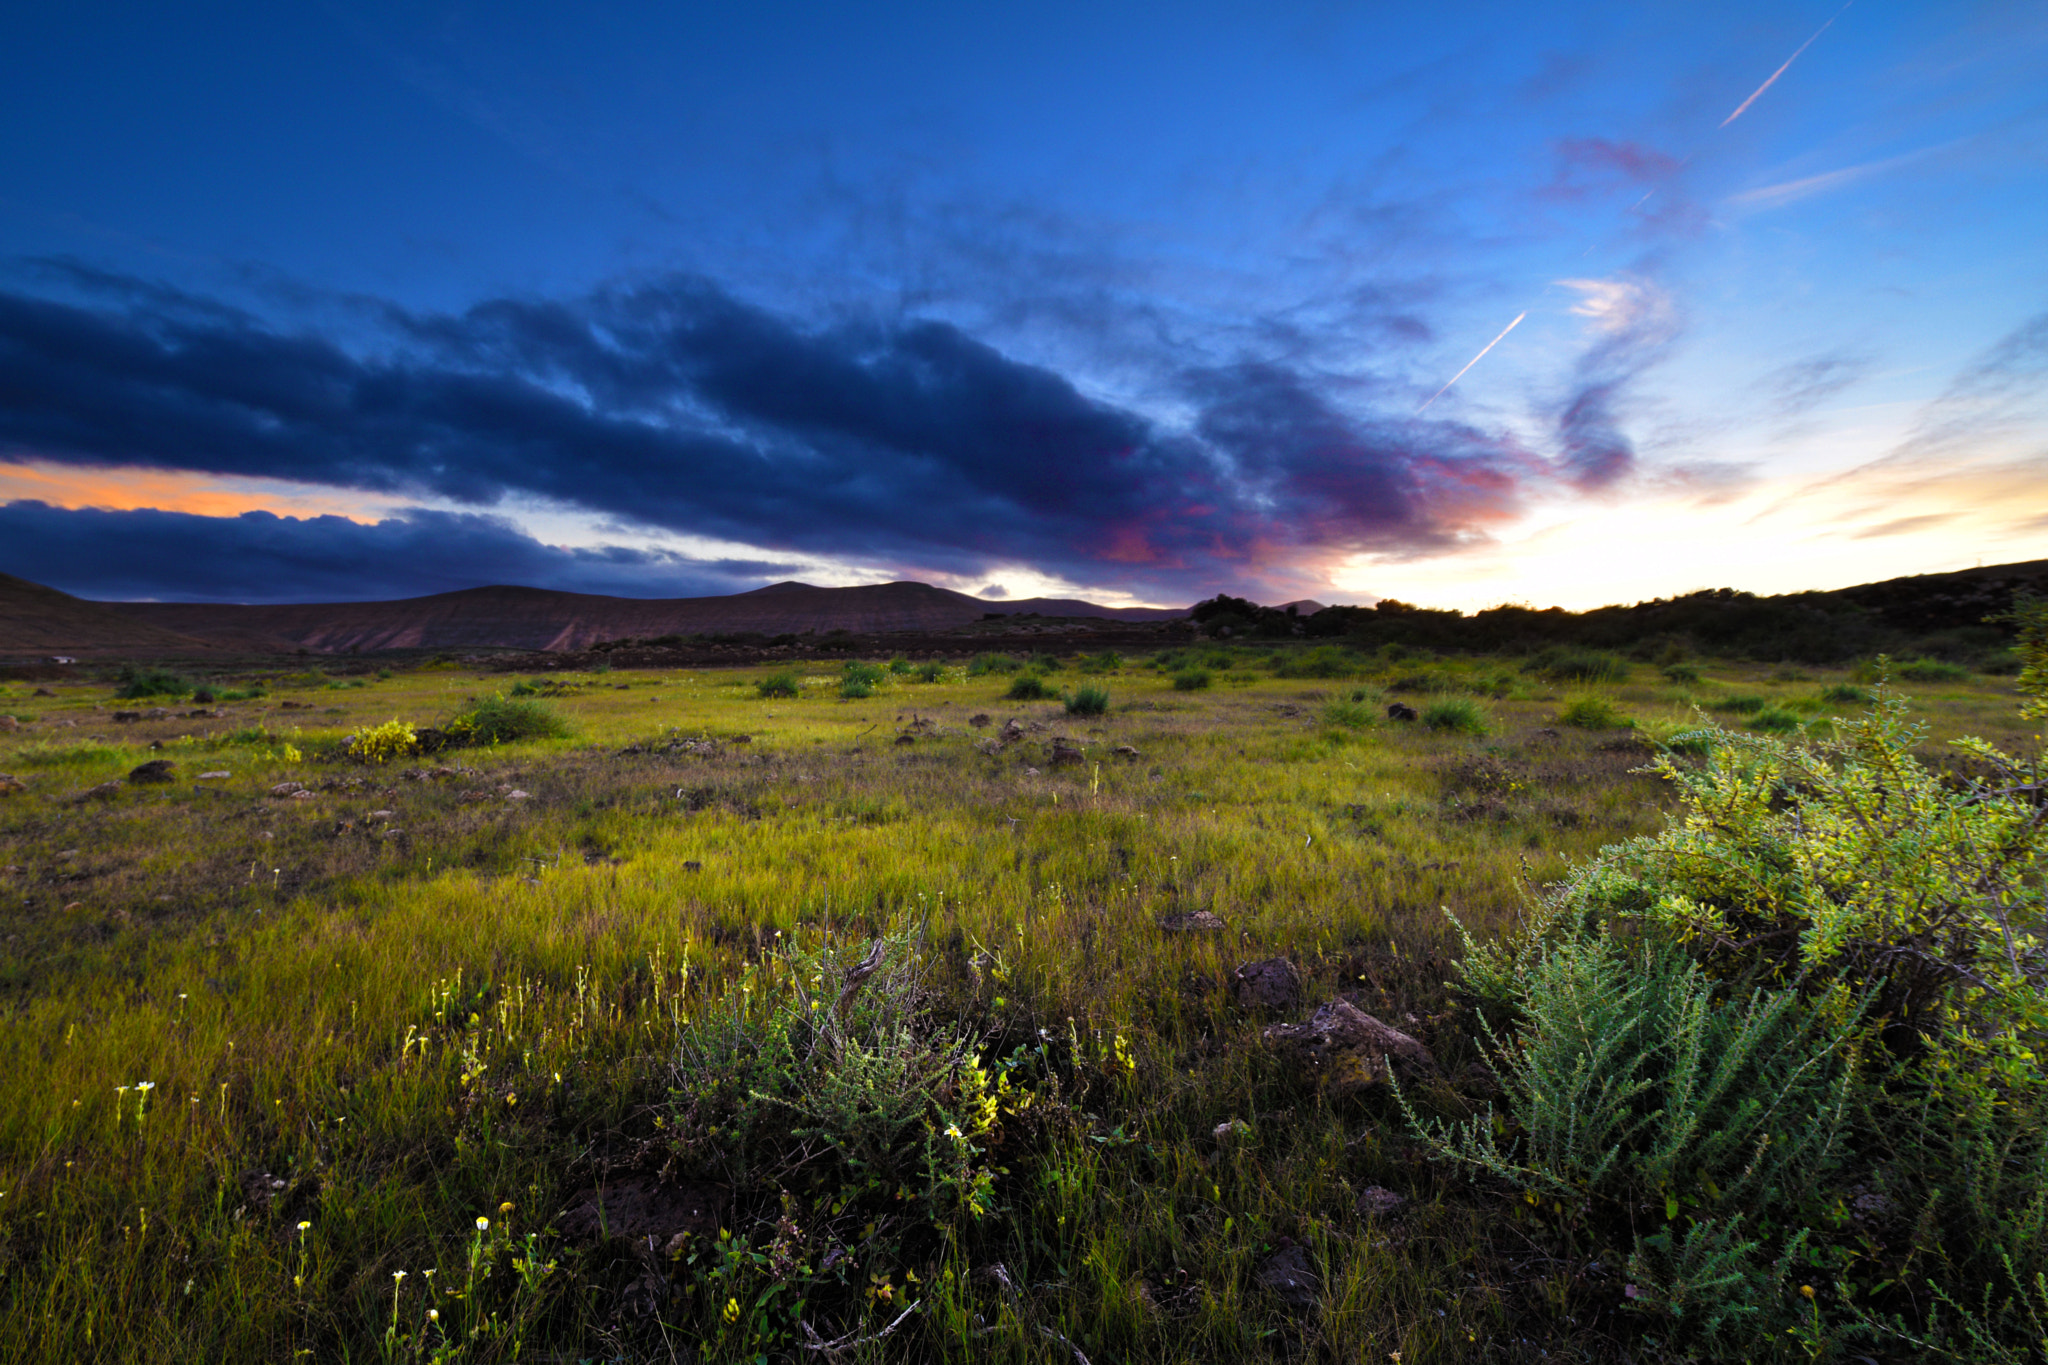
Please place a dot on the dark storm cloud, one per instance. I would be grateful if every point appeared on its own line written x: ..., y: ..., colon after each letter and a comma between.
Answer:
x: 257, y: 557
x: 907, y: 442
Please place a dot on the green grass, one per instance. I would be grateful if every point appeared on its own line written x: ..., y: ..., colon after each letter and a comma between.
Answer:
x: 414, y: 1020
x: 1087, y: 700
x: 1456, y: 715
x: 1029, y: 687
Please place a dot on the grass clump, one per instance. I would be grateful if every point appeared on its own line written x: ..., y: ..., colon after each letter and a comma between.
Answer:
x: 901, y: 666
x: 930, y: 671
x: 1192, y: 679
x: 1775, y: 719
x: 1738, y: 706
x: 1043, y: 662
x: 139, y: 683
x: 1685, y: 674
x: 783, y: 684
x: 1028, y: 687
x: 1930, y: 670
x: 498, y: 719
x: 1455, y: 715
x: 1108, y: 661
x: 1087, y: 700
x: 1350, y: 713
x: 1324, y: 661
x: 1560, y: 663
x: 983, y: 664
x: 1592, y: 712
x: 1846, y: 694
x: 858, y: 680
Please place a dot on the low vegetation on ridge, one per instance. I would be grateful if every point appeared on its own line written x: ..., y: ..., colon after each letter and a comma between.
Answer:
x: 872, y: 1012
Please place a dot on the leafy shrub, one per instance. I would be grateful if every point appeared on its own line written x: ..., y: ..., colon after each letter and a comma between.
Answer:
x: 1087, y: 700
x: 1324, y: 661
x: 540, y: 687
x: 1108, y: 661
x: 1560, y: 663
x: 1777, y: 719
x: 1738, y: 706
x: 392, y: 739
x: 1848, y: 693
x: 1028, y: 687
x: 855, y: 689
x: 1192, y: 679
x: 498, y: 719
x: 931, y: 671
x: 1930, y: 670
x: 137, y: 683
x: 1458, y: 715
x: 900, y: 665
x: 252, y: 692
x: 858, y: 680
x: 1045, y: 663
x: 992, y: 663
x: 1591, y: 712
x: 1681, y: 673
x: 780, y: 684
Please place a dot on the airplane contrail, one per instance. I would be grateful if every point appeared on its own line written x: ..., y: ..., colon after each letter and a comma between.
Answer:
x: 1473, y: 361
x: 1782, y: 70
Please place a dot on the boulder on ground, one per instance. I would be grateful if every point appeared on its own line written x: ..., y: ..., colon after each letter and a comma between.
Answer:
x: 1126, y: 751
x: 10, y: 784
x: 105, y: 791
x: 1269, y: 985
x: 155, y: 772
x: 1400, y: 710
x: 1191, y: 921
x: 1346, y: 1049
x: 1064, y: 754
x: 1377, y: 1201
x: 1289, y: 1276
x: 979, y: 721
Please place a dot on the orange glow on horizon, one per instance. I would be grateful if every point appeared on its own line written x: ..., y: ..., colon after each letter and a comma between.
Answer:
x: 205, y: 495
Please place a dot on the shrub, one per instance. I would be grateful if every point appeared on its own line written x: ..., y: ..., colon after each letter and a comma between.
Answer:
x: 1930, y: 670
x: 1087, y: 700
x: 900, y: 665
x: 1028, y: 687
x: 780, y: 684
x: 1738, y: 706
x: 1848, y: 693
x: 1109, y: 661
x: 1592, y: 713
x: 1681, y: 673
x: 1561, y: 664
x: 1324, y: 661
x: 499, y: 719
x: 1349, y: 714
x: 392, y: 739
x: 1192, y: 679
x: 858, y: 680
x: 1777, y: 719
x: 204, y: 695
x: 1045, y: 663
x: 1458, y: 715
x: 992, y: 663
x: 855, y: 689
x: 931, y: 671
x: 137, y: 683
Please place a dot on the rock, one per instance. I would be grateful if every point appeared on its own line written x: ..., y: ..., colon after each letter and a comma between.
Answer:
x: 44, y: 692
x: 1231, y: 1130
x: 1011, y: 732
x: 9, y: 723
x: 1269, y: 985
x: 220, y: 776
x: 1031, y: 772
x: 105, y: 791
x: 1064, y: 754
x: 1377, y: 1201
x: 216, y: 713
x: 302, y: 795
x: 1191, y: 922
x: 979, y: 721
x: 641, y: 1210
x: 68, y: 723
x: 1126, y: 751
x: 1347, y: 1049
x: 906, y: 739
x: 287, y: 789
x: 1397, y: 710
x: 154, y: 772
x: 127, y: 717
x: 10, y: 784
x: 156, y: 713
x: 1288, y: 1274
x: 516, y: 795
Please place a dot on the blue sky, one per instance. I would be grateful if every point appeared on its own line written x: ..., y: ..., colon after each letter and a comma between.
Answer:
x: 1137, y: 302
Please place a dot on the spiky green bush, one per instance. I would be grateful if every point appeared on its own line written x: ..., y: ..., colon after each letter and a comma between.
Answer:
x: 1087, y: 700
x: 1561, y: 663
x: 1455, y: 715
x: 1592, y: 712
x: 780, y: 684
x: 138, y: 683
x: 1028, y: 687
x: 499, y: 719
x: 983, y: 664
x: 1192, y: 679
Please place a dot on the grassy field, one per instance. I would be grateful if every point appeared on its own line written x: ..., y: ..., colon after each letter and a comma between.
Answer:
x: 458, y: 1056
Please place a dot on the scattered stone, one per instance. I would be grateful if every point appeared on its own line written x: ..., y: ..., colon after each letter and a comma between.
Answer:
x: 1231, y: 1130
x: 1377, y: 1201
x: 10, y: 784
x: 1064, y: 754
x: 380, y: 815
x: 156, y: 713
x: 1288, y: 1274
x: 156, y: 771
x: 1192, y: 922
x: 693, y: 865
x: 1400, y: 710
x: 214, y: 714
x: 1350, y: 1050
x: 516, y: 795
x: 287, y: 789
x: 906, y: 739
x: 72, y: 724
x: 979, y: 721
x: 44, y: 692
x: 1269, y: 985
x: 641, y: 1210
x: 1126, y: 751
x: 740, y: 739
x: 302, y: 795
x: 295, y: 706
x: 127, y: 717
x: 105, y: 791
x: 9, y: 723
x: 1011, y: 732
x: 1031, y: 772
x: 220, y: 776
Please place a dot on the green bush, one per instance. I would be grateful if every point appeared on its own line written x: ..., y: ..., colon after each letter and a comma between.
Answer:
x: 780, y: 684
x: 1930, y: 670
x: 1847, y: 693
x: 138, y: 683
x: 1192, y: 679
x: 393, y: 739
x: 1738, y: 706
x: 931, y: 671
x: 1592, y: 712
x: 1560, y: 663
x: 1324, y: 661
x: 1776, y: 719
x: 982, y: 664
x: 1681, y: 673
x: 1087, y: 700
x: 1458, y: 715
x: 858, y: 680
x: 855, y: 689
x: 1348, y: 714
x: 900, y: 665
x: 499, y: 719
x: 1108, y: 661
x: 1028, y: 687
x: 1045, y: 663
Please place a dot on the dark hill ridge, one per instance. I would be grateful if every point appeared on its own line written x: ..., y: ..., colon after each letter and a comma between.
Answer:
x: 35, y: 620
x: 541, y: 619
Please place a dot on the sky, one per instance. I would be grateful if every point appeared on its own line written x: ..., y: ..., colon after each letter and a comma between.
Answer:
x: 1561, y: 305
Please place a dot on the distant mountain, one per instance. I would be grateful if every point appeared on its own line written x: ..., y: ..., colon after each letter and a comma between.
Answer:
x: 540, y: 619
x: 35, y: 620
